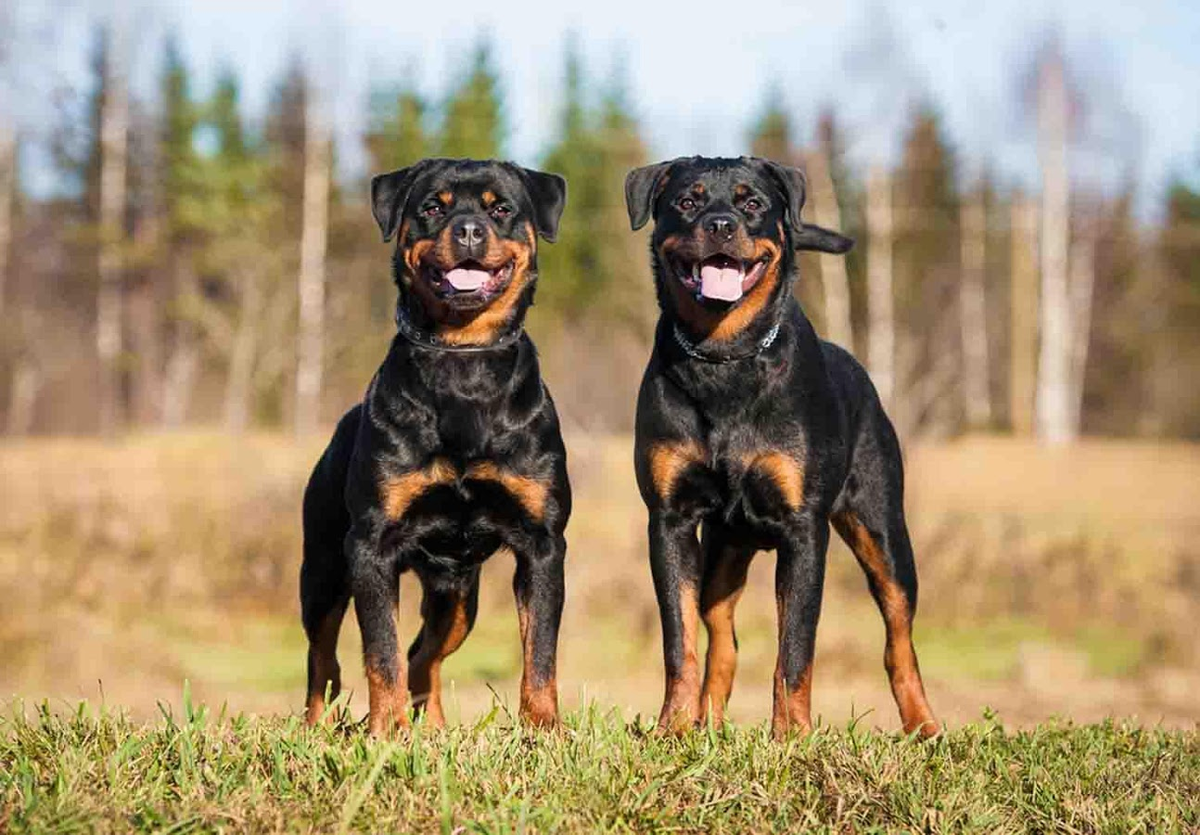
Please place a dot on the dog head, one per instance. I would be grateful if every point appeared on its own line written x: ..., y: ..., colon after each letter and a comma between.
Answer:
x: 724, y: 236
x: 466, y: 240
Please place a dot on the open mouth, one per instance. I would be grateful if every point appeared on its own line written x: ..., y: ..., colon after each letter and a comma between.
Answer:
x: 468, y: 279
x: 719, y: 278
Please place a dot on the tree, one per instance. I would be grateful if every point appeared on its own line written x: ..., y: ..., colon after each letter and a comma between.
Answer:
x: 396, y: 132
x: 972, y: 308
x: 1054, y: 387
x: 114, y: 136
x: 825, y: 205
x: 310, y: 288
x: 927, y: 274
x: 180, y: 176
x: 473, y: 125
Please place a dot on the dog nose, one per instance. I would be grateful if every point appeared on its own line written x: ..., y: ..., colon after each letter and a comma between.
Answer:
x: 469, y: 233
x: 720, y: 227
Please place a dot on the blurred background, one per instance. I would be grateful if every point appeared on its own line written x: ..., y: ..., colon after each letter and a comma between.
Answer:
x: 192, y: 291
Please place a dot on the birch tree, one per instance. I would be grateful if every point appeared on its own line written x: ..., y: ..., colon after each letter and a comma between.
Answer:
x: 114, y: 129
x: 311, y: 277
x: 881, y: 306
x: 1054, y: 424
x: 973, y: 310
x: 834, y: 280
x: 1023, y: 315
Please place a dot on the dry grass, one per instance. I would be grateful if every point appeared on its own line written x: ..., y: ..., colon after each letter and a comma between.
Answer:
x: 1052, y: 583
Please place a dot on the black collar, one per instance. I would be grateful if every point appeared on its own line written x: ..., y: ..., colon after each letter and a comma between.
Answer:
x: 424, y: 339
x: 691, y: 350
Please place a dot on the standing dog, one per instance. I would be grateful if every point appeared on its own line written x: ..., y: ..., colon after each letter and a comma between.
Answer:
x: 454, y: 454
x: 750, y: 424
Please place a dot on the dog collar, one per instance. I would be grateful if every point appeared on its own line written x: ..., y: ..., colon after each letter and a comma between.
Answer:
x: 691, y: 350
x: 424, y: 339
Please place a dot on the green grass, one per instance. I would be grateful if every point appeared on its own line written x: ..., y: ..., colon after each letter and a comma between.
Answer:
x: 93, y: 770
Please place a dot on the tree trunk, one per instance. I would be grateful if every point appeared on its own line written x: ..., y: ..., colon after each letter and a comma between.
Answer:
x: 239, y: 386
x: 180, y: 372
x: 1023, y: 317
x: 835, y: 284
x: 1054, y: 363
x: 973, y: 312
x: 881, y: 342
x: 114, y: 126
x: 1083, y: 282
x: 8, y: 188
x: 311, y: 289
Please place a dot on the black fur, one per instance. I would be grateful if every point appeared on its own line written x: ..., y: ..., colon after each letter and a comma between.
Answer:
x: 761, y: 447
x: 420, y: 476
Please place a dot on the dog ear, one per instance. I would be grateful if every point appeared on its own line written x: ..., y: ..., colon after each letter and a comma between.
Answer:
x: 811, y: 236
x: 549, y: 195
x: 804, y: 235
x: 389, y: 194
x: 641, y: 190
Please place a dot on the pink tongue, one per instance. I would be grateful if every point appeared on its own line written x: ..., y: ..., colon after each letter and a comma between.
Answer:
x: 723, y: 283
x: 461, y: 278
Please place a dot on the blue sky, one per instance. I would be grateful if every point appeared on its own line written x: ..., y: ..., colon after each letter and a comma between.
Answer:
x: 696, y: 72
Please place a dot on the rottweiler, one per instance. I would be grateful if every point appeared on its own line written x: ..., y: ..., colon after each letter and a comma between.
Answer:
x: 455, y: 452
x: 753, y: 434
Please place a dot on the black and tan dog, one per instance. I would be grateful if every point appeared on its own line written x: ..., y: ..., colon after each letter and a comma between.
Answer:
x: 752, y: 428
x: 454, y: 454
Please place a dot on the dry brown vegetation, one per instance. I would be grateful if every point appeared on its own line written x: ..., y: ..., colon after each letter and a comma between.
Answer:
x: 1053, y: 582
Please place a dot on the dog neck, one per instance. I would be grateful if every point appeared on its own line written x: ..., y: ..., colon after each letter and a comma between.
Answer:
x: 429, y: 340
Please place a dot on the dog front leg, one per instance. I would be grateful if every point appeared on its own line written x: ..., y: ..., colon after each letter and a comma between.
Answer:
x: 675, y: 562
x: 539, y: 591
x: 799, y: 581
x: 375, y: 586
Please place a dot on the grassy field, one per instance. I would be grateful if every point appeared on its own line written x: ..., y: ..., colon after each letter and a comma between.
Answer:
x: 1059, y: 597
x: 195, y: 772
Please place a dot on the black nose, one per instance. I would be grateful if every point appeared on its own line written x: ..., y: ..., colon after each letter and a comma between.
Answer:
x: 720, y: 227
x: 467, y: 232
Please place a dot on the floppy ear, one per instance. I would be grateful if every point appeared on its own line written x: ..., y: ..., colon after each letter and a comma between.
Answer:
x: 549, y: 195
x: 389, y: 193
x: 804, y: 235
x: 811, y: 236
x: 641, y: 190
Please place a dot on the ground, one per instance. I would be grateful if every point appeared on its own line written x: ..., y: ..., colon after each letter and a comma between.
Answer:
x: 1058, y: 590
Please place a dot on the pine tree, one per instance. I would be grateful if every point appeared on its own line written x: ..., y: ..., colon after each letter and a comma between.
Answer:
x: 180, y: 177
x: 473, y: 124
x: 926, y: 280
x: 573, y: 263
x: 396, y: 133
x: 771, y: 137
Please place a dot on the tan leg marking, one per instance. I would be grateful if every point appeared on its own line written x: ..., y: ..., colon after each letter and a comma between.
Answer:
x: 722, y: 590
x: 539, y: 700
x: 681, y: 702
x: 425, y: 672
x: 900, y: 657
x: 324, y: 668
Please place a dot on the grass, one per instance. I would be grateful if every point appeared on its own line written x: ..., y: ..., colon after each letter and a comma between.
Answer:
x: 94, y: 770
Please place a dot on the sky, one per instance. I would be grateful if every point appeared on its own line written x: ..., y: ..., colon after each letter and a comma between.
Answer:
x: 696, y: 74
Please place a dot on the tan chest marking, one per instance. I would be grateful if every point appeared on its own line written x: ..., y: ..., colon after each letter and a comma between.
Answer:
x: 530, y: 493
x: 668, y: 459
x: 783, y: 470
x: 397, y: 493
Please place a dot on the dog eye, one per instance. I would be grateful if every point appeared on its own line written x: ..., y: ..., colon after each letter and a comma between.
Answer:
x: 752, y: 205
x: 687, y: 204
x: 432, y: 210
x: 501, y: 211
